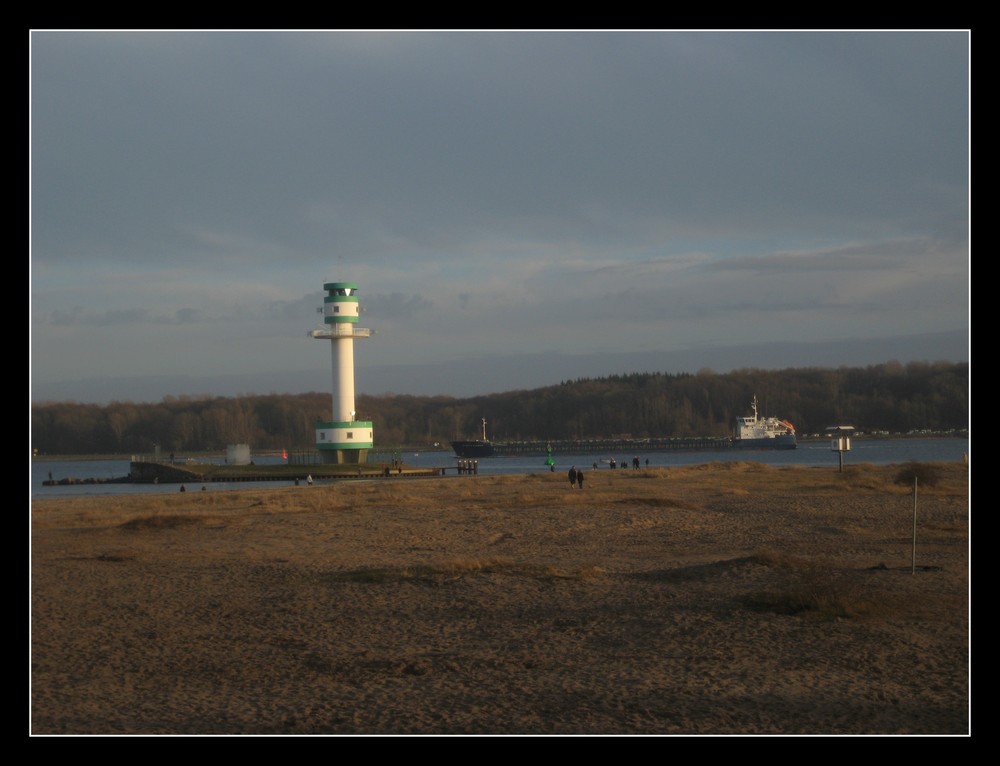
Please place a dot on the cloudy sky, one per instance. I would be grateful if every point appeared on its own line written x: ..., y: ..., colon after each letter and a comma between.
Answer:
x: 545, y: 204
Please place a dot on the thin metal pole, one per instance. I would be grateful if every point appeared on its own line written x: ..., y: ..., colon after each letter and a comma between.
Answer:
x: 913, y: 558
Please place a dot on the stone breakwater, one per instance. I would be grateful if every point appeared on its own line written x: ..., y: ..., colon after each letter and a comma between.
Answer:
x: 148, y: 472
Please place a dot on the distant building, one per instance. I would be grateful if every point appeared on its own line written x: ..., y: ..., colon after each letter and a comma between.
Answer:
x: 238, y: 454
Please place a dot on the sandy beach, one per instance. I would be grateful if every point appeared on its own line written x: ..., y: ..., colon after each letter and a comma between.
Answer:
x: 718, y: 599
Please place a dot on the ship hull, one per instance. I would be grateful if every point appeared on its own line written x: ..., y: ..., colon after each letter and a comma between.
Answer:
x: 776, y: 442
x: 472, y: 449
x: 752, y: 433
x: 483, y: 449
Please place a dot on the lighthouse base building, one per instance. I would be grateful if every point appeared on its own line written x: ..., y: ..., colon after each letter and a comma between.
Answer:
x: 343, y: 440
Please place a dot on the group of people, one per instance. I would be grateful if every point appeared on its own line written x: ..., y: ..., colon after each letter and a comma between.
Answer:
x: 635, y: 463
x: 576, y: 477
x: 576, y: 474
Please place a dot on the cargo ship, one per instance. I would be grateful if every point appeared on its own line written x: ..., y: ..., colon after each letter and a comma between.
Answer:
x: 474, y: 448
x: 755, y: 432
x: 752, y: 433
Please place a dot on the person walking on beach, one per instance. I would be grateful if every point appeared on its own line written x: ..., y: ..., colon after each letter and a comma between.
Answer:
x: 579, y: 478
x: 572, y: 476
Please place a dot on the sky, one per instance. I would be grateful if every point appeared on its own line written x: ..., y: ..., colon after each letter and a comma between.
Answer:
x: 524, y: 206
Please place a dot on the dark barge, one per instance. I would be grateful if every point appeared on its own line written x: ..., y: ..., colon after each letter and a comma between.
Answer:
x: 480, y: 448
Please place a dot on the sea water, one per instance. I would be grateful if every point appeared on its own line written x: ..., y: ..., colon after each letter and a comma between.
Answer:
x: 808, y: 453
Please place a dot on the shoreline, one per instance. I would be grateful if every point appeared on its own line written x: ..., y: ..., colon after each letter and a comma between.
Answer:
x: 420, y: 448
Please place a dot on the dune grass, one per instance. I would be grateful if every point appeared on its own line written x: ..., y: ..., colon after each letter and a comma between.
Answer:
x: 809, y: 589
x: 458, y: 568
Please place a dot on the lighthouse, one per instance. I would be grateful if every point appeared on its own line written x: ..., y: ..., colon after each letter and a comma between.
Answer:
x: 344, y: 439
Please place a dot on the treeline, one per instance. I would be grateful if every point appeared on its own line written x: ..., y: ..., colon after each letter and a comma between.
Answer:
x: 888, y: 397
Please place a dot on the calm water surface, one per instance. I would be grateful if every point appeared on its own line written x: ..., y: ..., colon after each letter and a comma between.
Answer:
x: 818, y: 453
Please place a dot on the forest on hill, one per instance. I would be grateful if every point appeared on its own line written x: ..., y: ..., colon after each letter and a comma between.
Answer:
x: 891, y: 397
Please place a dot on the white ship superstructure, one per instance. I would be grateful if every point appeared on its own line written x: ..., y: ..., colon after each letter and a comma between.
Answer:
x: 755, y: 432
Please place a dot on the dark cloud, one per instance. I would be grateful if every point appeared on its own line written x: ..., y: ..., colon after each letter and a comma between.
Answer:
x: 491, y: 192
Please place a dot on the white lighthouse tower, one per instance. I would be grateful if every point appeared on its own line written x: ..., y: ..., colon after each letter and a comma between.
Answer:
x: 344, y: 439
